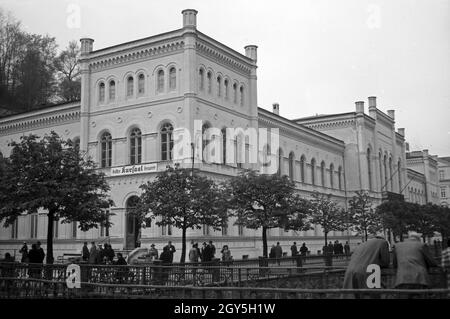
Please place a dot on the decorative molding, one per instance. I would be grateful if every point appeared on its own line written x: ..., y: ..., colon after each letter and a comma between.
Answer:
x: 53, y: 118
x: 207, y: 50
x: 135, y: 55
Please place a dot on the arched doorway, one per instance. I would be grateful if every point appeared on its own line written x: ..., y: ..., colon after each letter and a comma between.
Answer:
x: 132, y: 226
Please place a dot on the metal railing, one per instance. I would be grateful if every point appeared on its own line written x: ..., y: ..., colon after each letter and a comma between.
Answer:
x: 12, y: 288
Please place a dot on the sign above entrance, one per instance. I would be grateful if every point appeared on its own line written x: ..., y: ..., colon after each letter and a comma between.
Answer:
x: 133, y: 169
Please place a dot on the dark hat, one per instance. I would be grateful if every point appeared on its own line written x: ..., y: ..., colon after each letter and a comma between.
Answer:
x: 152, y: 245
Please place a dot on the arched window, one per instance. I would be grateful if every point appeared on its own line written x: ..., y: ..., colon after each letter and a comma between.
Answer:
x: 390, y: 175
x: 160, y: 81
x: 266, y: 156
x: 201, y: 79
x: 209, y: 76
x: 219, y: 86
x: 112, y: 90
x: 130, y: 86
x: 241, y: 91
x: 106, y: 149
x: 101, y: 92
x: 302, y: 168
x: 132, y: 225
x: 331, y: 175
x: 399, y: 177
x: 313, y: 171
x: 237, y: 151
x: 322, y: 173
x: 369, y: 168
x: 291, y: 165
x: 135, y: 146
x: 172, y: 79
x: 235, y: 93
x: 141, y: 84
x: 340, y: 178
x: 385, y: 172
x: 166, y: 142
x: 224, y: 145
x: 205, y: 140
x: 226, y: 89
x: 280, y: 162
x: 380, y: 160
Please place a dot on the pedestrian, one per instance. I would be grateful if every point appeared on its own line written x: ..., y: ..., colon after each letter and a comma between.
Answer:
x: 193, y: 254
x: 41, y: 252
x: 303, y: 250
x: 294, y: 250
x: 100, y: 255
x: 34, y: 258
x: 412, y: 260
x: 172, y: 250
x: 7, y: 270
x: 445, y: 256
x: 206, y: 253
x: 85, y: 252
x: 93, y: 254
x: 153, y: 252
x: 278, y: 252
x: 109, y: 253
x: 330, y: 248
x: 272, y: 251
x: 213, y: 249
x: 24, y: 252
x: 373, y: 251
x: 122, y: 272
x: 336, y: 247
x: 166, y: 258
x: 226, y: 254
x: 347, y: 248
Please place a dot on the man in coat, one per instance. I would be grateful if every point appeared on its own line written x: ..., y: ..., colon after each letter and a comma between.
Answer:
x: 373, y: 251
x: 412, y: 260
x: 93, y: 254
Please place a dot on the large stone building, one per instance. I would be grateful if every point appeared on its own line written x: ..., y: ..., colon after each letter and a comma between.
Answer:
x: 444, y: 180
x: 136, y: 96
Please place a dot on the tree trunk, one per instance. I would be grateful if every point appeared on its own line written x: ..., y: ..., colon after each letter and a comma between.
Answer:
x: 264, y: 238
x: 183, y: 245
x: 365, y: 234
x: 51, y: 218
x: 326, y: 238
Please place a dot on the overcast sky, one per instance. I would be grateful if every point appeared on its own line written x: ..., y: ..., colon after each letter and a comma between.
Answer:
x: 314, y: 56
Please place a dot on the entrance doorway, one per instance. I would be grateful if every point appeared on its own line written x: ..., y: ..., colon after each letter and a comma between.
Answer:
x: 132, y: 226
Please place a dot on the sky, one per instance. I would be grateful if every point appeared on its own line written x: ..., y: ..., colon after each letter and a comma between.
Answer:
x: 314, y: 56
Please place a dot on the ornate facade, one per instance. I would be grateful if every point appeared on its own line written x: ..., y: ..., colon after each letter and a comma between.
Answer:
x: 136, y: 95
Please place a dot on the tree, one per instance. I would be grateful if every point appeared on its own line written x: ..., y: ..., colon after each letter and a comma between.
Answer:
x: 183, y: 200
x: 263, y: 201
x: 50, y: 174
x: 68, y: 72
x: 327, y: 214
x: 423, y: 219
x: 396, y: 216
x: 363, y: 218
x: 441, y: 215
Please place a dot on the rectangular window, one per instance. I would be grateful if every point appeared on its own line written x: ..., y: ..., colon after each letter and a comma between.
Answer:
x: 34, y: 225
x: 14, y: 229
x: 225, y: 230
x: 443, y: 192
x: 240, y: 230
x: 205, y: 230
x: 55, y: 229
x: 74, y: 229
x: 441, y: 175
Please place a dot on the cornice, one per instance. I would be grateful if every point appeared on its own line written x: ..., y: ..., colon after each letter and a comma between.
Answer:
x: 206, y: 49
x: 34, y: 120
x: 135, y: 54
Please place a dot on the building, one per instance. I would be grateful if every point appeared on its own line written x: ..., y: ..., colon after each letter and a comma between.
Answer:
x: 422, y: 187
x: 444, y: 180
x: 136, y: 96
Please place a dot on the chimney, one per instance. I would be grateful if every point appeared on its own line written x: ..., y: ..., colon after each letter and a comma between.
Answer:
x: 391, y: 114
x: 251, y: 52
x: 189, y: 18
x: 372, y: 102
x: 401, y: 131
x: 87, y: 44
x: 359, y: 107
x: 407, y: 146
x: 425, y: 153
x: 276, y: 108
